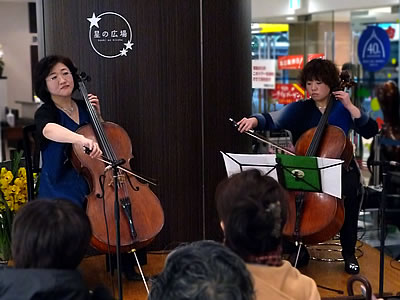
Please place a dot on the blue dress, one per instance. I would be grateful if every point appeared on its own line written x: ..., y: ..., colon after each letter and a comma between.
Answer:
x: 58, y: 178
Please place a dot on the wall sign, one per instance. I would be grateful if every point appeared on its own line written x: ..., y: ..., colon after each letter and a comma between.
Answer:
x: 110, y: 34
x: 263, y: 73
x: 287, y: 93
x: 373, y: 48
x: 294, y: 62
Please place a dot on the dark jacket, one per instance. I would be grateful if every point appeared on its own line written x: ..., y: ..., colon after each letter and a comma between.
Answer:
x: 45, y: 284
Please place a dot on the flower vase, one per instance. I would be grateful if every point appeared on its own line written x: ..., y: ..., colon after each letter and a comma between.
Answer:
x: 5, y: 255
x: 3, y: 264
x: 5, y: 251
x: 5, y: 237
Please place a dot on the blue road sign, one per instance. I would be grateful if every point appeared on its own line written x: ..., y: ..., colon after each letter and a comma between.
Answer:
x: 373, y: 48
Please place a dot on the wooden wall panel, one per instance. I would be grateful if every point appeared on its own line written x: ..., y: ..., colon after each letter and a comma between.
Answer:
x: 176, y: 121
x: 227, y: 92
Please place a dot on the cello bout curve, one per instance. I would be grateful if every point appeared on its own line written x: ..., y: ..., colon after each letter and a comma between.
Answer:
x: 147, y: 213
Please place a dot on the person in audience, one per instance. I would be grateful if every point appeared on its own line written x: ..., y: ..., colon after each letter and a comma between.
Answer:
x: 49, y: 240
x: 252, y: 211
x: 320, y: 77
x: 203, y: 270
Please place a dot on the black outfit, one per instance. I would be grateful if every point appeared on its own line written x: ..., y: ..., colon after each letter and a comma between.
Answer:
x: 298, y: 117
x: 47, y: 284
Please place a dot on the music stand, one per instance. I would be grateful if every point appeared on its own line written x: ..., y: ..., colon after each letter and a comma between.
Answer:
x: 329, y: 169
x: 299, y: 173
x: 236, y: 163
x: 382, y: 205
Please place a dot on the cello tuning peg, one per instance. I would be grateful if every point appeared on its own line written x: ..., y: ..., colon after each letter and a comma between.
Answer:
x: 84, y: 77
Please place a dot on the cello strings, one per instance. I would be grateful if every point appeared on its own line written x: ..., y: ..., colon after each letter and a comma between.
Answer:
x: 98, y: 127
x: 105, y: 145
x: 312, y: 150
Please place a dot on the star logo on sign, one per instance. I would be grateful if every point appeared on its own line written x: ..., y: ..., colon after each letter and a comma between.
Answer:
x: 119, y: 34
x: 128, y: 45
x: 123, y: 52
x: 94, y: 21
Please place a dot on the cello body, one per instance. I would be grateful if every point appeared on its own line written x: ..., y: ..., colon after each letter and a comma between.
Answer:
x: 147, y: 213
x: 322, y: 214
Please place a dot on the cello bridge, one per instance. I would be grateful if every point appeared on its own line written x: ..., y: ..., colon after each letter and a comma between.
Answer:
x: 121, y: 180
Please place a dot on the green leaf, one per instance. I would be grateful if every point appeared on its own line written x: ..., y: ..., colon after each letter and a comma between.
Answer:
x: 16, y: 162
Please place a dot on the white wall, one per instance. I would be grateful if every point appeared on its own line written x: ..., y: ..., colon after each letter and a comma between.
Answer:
x: 16, y: 41
x: 262, y: 9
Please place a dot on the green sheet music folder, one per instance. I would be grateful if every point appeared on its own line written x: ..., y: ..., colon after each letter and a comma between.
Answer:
x: 300, y: 173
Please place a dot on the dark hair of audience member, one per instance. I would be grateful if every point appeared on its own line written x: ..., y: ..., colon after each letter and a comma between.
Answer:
x: 50, y: 234
x: 43, y: 69
x: 253, y: 209
x: 200, y: 271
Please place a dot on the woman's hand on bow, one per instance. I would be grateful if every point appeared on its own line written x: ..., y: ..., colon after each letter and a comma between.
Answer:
x: 247, y: 124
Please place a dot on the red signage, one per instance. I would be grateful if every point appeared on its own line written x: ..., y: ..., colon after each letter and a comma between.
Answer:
x: 295, y: 62
x: 390, y: 31
x: 287, y: 93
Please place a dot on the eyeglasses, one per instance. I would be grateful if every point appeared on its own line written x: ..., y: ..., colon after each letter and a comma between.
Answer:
x: 56, y: 77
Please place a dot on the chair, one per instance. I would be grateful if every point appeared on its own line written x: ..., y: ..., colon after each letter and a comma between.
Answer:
x: 32, y: 158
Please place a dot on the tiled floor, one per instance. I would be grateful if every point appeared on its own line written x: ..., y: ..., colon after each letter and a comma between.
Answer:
x: 369, y: 232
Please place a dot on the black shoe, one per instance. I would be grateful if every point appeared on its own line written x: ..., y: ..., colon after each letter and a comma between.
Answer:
x: 351, y: 265
x: 304, y: 257
x: 132, y: 275
x: 128, y: 270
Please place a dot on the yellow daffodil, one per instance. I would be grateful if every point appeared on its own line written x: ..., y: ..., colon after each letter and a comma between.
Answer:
x: 3, y: 183
x: 8, y: 176
x: 20, y: 198
x: 22, y: 172
x: 19, y: 182
x: 13, y: 195
x: 14, y: 189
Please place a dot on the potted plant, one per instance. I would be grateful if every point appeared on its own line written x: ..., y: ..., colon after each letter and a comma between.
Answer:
x: 13, y: 194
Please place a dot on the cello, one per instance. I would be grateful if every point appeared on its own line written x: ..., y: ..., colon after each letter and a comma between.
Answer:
x: 305, y: 222
x: 142, y: 215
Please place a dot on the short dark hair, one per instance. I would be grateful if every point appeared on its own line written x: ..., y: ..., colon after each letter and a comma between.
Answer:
x: 50, y: 234
x: 203, y: 270
x: 253, y: 209
x: 42, y: 70
x: 322, y: 70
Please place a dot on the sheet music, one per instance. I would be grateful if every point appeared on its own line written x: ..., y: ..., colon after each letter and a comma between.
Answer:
x: 331, y: 177
x: 263, y: 162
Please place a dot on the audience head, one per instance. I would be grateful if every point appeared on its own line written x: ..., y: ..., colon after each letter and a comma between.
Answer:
x: 200, y: 271
x: 252, y: 209
x: 42, y: 70
x: 321, y: 70
x: 50, y: 234
x: 388, y: 98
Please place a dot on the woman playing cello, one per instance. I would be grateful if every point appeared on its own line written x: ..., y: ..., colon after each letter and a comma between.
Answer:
x: 56, y: 121
x: 319, y: 77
